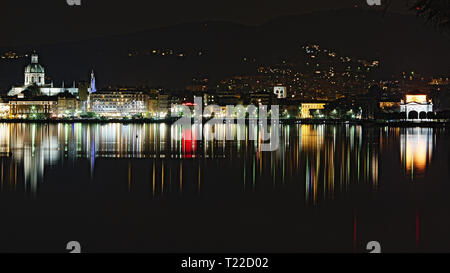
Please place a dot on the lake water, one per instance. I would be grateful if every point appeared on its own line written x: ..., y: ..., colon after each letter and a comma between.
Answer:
x: 136, y: 188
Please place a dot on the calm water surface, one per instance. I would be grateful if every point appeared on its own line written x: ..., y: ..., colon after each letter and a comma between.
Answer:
x: 136, y: 188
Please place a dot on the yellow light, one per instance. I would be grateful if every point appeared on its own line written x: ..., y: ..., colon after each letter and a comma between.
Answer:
x: 416, y: 150
x: 306, y: 107
x: 416, y: 98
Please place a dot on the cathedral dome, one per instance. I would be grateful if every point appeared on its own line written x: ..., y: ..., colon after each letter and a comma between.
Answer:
x: 34, y: 68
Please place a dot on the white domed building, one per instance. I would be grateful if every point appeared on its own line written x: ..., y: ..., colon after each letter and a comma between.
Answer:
x: 35, y: 75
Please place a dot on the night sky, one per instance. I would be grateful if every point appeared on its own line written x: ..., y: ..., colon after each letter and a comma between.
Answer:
x: 37, y: 22
x: 101, y: 32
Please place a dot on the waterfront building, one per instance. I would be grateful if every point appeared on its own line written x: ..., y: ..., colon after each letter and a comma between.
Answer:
x: 34, y: 107
x: 163, y: 103
x: 307, y: 107
x: 4, y: 108
x: 67, y: 105
x: 416, y: 106
x: 35, y: 76
x: 153, y: 106
x: 119, y: 103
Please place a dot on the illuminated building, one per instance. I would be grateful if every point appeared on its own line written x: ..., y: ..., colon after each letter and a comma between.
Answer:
x: 389, y: 105
x: 34, y: 72
x: 280, y: 92
x: 67, y: 104
x: 307, y: 107
x: 152, y: 106
x: 35, y: 76
x: 416, y: 106
x: 4, y: 108
x: 29, y: 107
x: 91, y: 89
x: 119, y: 103
x: 163, y: 103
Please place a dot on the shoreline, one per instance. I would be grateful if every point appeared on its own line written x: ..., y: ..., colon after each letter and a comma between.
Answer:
x: 394, y: 123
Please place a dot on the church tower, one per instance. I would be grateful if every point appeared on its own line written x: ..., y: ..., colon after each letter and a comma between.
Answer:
x: 34, y: 72
x: 92, y: 87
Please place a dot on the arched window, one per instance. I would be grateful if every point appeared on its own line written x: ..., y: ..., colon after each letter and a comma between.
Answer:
x: 423, y: 115
x: 413, y: 115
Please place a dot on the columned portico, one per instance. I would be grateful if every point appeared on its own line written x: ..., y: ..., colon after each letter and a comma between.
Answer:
x: 416, y: 107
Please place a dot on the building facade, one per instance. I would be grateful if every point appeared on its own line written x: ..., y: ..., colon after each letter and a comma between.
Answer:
x: 416, y: 107
x: 67, y: 105
x: 35, y: 107
x: 119, y: 103
x: 307, y: 107
x: 4, y: 108
x: 280, y: 92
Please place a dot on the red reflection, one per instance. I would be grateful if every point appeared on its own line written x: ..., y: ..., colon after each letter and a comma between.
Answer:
x: 189, y: 143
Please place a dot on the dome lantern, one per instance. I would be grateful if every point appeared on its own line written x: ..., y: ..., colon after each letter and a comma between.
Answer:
x: 34, y: 72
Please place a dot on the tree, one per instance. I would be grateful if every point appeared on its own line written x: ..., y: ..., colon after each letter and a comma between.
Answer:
x: 89, y: 115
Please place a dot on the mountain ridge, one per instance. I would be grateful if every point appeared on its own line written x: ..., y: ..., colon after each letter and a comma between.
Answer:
x: 399, y: 41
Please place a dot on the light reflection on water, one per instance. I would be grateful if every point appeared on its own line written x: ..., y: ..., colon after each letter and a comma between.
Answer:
x: 322, y: 160
x: 416, y: 150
